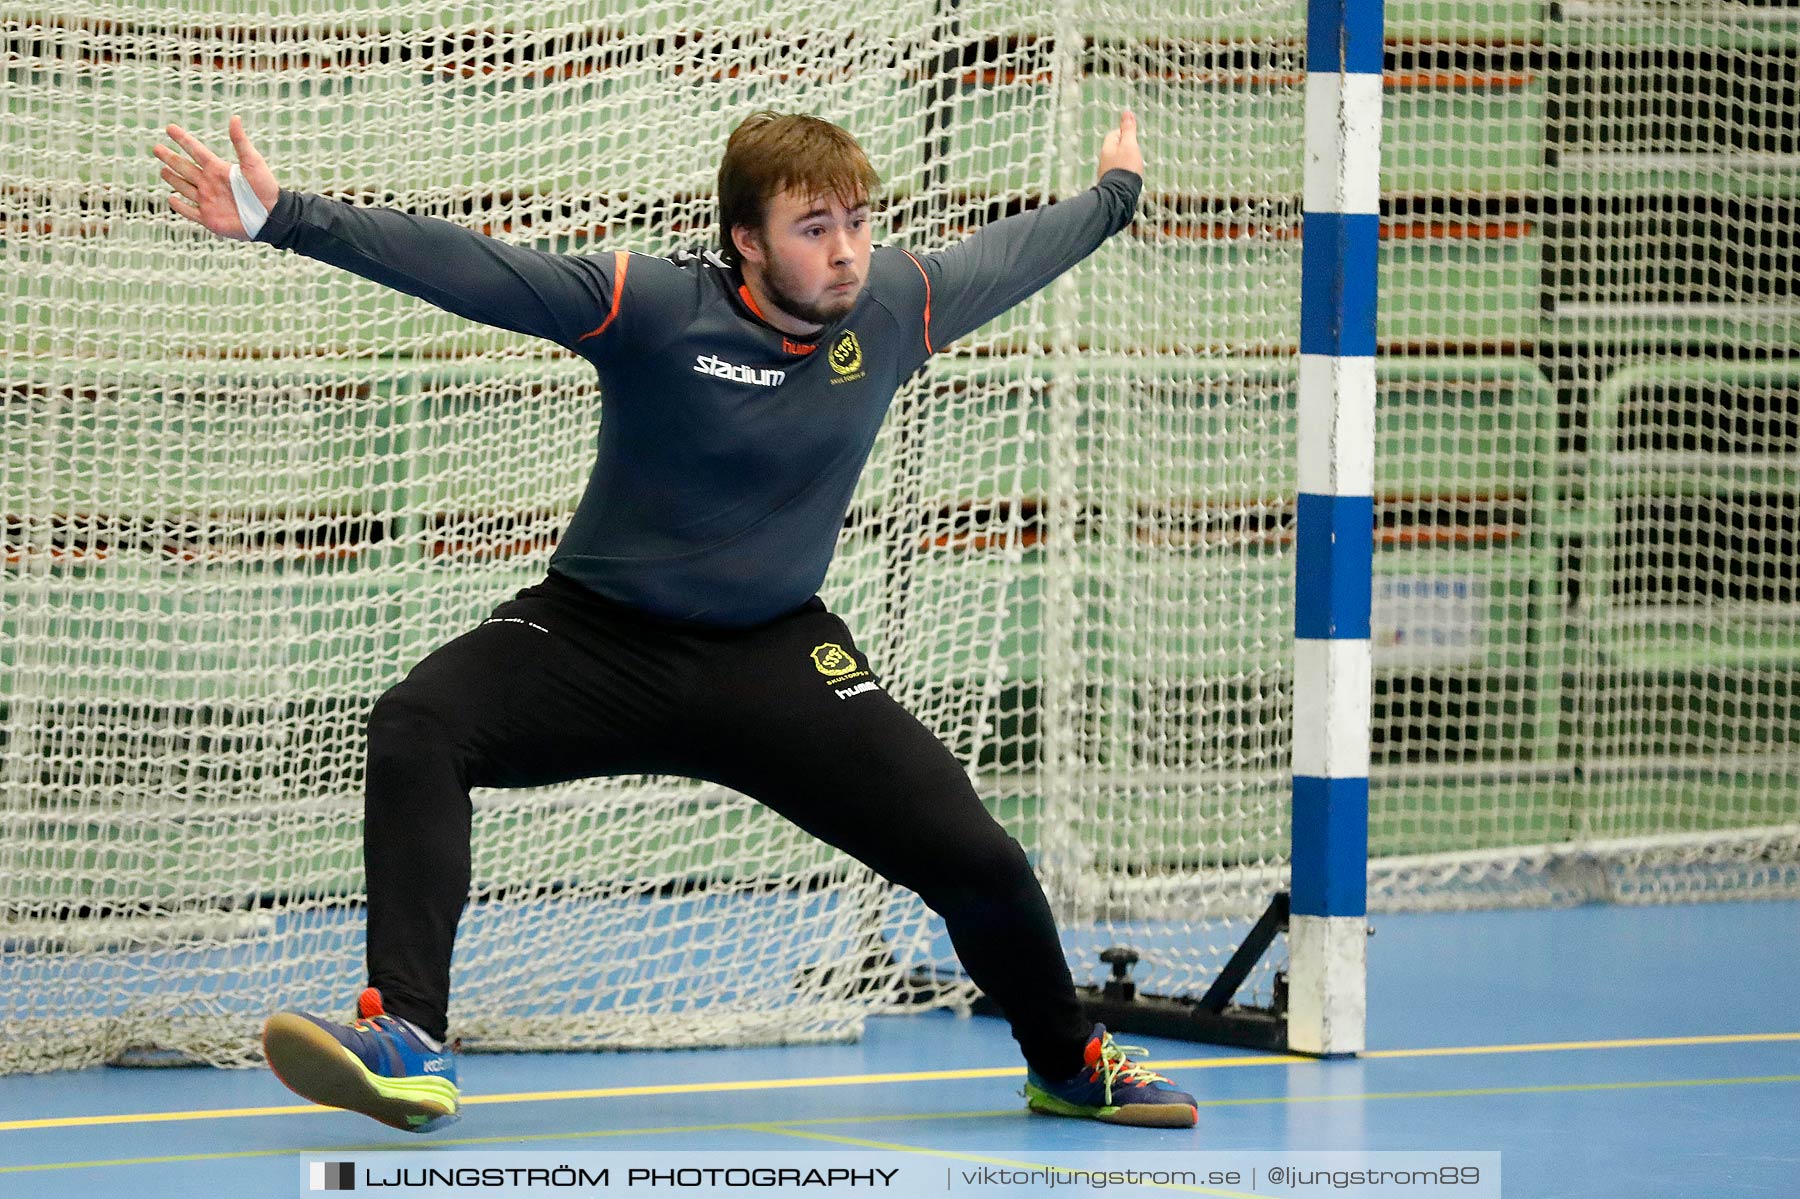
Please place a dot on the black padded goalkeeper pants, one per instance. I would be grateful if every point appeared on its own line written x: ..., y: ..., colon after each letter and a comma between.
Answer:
x: 562, y: 684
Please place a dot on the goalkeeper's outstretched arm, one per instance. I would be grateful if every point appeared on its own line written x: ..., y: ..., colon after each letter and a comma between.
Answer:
x: 564, y: 298
x: 1000, y: 265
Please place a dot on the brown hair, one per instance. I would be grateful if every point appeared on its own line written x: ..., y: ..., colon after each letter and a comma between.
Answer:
x: 771, y: 152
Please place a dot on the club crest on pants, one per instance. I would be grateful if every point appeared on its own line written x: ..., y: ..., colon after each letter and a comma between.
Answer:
x: 833, y: 661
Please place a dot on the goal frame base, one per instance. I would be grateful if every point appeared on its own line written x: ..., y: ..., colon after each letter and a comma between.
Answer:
x: 1212, y: 1018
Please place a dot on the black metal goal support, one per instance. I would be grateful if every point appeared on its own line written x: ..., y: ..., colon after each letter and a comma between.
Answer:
x: 1214, y: 1017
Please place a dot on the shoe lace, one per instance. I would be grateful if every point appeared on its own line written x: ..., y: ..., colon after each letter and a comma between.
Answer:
x: 371, y: 1024
x: 1114, y: 1065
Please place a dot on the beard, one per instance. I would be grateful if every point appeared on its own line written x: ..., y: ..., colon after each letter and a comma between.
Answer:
x: 821, y: 312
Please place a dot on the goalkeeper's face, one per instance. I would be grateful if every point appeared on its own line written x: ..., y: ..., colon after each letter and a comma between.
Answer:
x: 811, y: 255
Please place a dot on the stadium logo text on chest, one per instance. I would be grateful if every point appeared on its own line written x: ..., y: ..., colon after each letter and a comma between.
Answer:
x: 718, y: 368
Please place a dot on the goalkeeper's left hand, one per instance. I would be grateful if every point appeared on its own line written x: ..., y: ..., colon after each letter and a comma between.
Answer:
x: 1119, y: 152
x: 202, y: 183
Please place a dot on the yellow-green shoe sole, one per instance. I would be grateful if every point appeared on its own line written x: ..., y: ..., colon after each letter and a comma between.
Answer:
x: 311, y: 1063
x: 1138, y: 1115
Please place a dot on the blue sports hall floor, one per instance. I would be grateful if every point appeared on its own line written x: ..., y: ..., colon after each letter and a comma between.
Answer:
x: 1601, y: 1051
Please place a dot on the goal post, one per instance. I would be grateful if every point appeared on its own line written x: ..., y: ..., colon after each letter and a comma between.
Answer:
x: 1334, y: 527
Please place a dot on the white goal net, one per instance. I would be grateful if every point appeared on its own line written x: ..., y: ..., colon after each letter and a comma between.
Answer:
x: 1586, y: 619
x: 242, y: 492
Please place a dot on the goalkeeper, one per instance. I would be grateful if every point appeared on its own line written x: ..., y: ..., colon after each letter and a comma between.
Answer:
x: 678, y: 632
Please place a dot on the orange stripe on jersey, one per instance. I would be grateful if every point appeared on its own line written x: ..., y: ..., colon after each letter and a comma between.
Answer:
x: 750, y: 302
x: 621, y: 263
x: 927, y: 278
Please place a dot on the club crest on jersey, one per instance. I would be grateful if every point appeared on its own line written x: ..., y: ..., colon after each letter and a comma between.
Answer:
x: 846, y: 358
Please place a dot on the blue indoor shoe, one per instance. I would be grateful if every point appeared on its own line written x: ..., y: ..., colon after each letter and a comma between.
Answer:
x: 379, y: 1066
x: 1114, y: 1089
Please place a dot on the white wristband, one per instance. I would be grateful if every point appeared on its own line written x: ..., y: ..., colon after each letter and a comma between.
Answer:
x: 250, y: 208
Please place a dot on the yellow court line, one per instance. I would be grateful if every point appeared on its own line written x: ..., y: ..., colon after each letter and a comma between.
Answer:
x: 758, y: 1084
x: 673, y: 1088
x: 221, y: 1113
x: 1565, y: 1088
x: 1558, y: 1046
x: 847, y: 1080
x: 514, y: 1139
x: 790, y: 1127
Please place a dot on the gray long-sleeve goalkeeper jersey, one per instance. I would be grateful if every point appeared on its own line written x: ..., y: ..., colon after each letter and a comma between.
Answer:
x: 728, y: 451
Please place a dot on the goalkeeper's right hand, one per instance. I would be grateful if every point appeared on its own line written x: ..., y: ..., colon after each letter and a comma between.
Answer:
x: 202, y: 183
